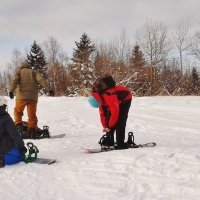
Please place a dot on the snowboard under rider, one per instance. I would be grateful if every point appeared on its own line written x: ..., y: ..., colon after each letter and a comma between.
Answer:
x: 114, y: 103
x: 12, y: 146
x: 25, y: 83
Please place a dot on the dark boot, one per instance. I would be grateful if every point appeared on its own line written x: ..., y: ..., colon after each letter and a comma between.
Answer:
x: 22, y: 132
x: 32, y: 133
x: 40, y: 133
x: 121, y: 146
x: 107, y: 140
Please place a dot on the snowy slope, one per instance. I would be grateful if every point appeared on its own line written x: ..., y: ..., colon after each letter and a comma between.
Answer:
x: 170, y: 171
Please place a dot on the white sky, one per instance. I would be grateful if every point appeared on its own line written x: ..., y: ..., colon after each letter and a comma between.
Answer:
x: 22, y: 21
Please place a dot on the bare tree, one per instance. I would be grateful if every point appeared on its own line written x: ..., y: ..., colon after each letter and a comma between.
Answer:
x: 154, y: 42
x: 123, y: 47
x: 10, y: 69
x: 54, y: 52
x: 118, y: 49
x: 195, y: 46
x: 113, y: 57
x: 181, y: 39
x: 57, y: 61
x: 17, y: 58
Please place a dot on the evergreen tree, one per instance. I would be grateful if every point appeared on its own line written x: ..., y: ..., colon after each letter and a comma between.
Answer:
x: 37, y: 59
x: 195, y: 76
x: 84, y: 48
x: 138, y: 80
x: 137, y: 59
x: 99, y: 65
x: 82, y: 69
x: 195, y: 80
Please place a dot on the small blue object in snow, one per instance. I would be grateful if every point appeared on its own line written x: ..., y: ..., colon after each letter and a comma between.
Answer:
x: 93, y: 102
x: 13, y: 157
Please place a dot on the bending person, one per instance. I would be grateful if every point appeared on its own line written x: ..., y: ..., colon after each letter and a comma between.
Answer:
x: 114, y: 103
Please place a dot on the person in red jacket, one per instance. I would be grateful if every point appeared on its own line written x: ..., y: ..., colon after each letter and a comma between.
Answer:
x: 114, y: 103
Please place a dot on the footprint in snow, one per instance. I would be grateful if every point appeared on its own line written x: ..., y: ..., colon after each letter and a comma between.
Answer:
x: 198, y: 157
x: 171, y: 155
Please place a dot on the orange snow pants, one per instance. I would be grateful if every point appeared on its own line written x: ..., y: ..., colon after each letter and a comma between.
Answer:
x: 31, y: 111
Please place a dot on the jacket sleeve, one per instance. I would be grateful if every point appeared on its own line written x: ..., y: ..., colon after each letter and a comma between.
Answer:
x: 42, y: 81
x: 15, y: 81
x: 12, y: 131
x: 102, y: 116
x: 113, y: 104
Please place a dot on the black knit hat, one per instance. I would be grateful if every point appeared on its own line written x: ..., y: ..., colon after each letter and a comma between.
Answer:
x: 109, y: 81
x: 103, y: 83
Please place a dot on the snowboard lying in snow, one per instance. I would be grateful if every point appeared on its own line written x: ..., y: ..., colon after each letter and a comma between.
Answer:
x: 99, y: 150
x: 31, y: 156
x: 46, y: 161
x: 57, y: 136
x: 42, y: 132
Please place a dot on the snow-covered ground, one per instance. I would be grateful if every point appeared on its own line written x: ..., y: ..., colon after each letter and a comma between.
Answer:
x: 170, y: 171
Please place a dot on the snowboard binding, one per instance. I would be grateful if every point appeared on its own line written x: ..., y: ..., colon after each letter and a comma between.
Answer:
x: 45, y: 132
x: 107, y: 142
x: 131, y: 140
x: 23, y: 131
x: 32, y: 153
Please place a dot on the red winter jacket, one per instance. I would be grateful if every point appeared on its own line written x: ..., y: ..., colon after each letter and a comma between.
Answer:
x: 111, y: 99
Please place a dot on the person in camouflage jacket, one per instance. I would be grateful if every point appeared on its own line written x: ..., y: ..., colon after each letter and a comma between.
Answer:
x: 26, y: 83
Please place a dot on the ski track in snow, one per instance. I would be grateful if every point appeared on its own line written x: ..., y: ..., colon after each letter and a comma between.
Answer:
x: 169, y: 171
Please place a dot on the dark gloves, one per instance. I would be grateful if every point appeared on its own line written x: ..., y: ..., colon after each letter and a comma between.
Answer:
x: 51, y: 93
x: 23, y: 150
x: 11, y: 95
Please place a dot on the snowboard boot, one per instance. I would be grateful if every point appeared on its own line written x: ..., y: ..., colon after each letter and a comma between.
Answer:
x: 121, y: 146
x: 23, y: 133
x: 1, y: 161
x: 33, y: 133
x: 107, y: 141
x: 39, y: 133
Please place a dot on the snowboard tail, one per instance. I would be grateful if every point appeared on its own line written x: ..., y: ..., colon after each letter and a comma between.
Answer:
x: 150, y: 144
x: 32, y: 156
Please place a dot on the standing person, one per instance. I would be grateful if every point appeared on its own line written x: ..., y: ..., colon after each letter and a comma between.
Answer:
x: 25, y: 83
x: 114, y: 103
x: 11, y: 144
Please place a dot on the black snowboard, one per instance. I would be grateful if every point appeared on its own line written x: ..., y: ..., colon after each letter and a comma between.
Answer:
x: 41, y: 133
x: 100, y: 150
x: 57, y: 136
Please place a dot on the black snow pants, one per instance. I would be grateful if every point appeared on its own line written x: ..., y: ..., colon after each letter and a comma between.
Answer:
x: 120, y: 127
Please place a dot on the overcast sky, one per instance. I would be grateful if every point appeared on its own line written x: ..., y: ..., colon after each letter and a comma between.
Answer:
x: 22, y: 21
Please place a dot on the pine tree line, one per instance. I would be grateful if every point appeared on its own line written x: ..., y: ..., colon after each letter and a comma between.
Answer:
x: 146, y: 68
